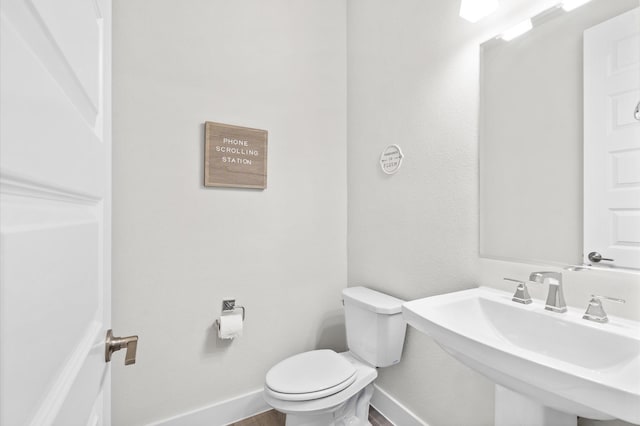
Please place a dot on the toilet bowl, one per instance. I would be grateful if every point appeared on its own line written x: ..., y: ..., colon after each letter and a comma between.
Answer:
x: 325, y: 388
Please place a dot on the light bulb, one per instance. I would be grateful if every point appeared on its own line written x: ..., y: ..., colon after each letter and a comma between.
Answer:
x: 517, y: 30
x: 474, y: 10
x: 569, y: 5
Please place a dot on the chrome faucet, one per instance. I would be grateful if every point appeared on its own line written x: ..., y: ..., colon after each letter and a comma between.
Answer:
x: 555, y: 298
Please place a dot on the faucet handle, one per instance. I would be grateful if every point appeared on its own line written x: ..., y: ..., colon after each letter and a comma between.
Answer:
x: 595, y: 311
x: 522, y: 293
x: 611, y: 299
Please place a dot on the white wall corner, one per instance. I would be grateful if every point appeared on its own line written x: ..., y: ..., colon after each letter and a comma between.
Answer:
x: 393, y: 410
x: 220, y: 413
x: 252, y: 403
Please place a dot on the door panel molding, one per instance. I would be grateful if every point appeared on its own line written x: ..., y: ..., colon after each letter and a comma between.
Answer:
x: 59, y: 391
x: 23, y: 17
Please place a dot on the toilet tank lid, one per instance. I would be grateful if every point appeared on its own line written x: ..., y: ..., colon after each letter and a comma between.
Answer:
x: 372, y: 300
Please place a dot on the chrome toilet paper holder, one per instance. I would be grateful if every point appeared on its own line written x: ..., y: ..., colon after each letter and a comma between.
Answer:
x: 229, y: 307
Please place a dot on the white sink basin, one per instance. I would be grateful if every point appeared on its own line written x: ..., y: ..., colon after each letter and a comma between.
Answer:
x: 560, y: 360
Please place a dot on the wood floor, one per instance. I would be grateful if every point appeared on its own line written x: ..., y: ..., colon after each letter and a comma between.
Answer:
x: 274, y: 418
x: 270, y: 418
x: 378, y: 419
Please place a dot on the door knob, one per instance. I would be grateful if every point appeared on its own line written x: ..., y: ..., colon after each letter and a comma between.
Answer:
x: 596, y: 257
x: 113, y: 344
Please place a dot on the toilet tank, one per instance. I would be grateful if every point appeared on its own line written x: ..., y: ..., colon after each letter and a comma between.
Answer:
x: 375, y: 327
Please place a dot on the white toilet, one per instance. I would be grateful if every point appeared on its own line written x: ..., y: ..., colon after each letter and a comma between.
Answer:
x: 325, y: 388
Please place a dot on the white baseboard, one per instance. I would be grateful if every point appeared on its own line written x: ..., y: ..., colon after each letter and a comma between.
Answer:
x: 393, y: 410
x: 252, y: 403
x: 220, y: 413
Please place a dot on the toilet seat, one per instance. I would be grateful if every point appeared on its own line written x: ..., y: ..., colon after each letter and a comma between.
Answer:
x: 365, y: 375
x: 311, y: 395
x: 310, y: 375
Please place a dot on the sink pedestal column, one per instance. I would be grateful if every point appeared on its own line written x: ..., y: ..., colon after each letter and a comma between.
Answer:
x: 512, y: 408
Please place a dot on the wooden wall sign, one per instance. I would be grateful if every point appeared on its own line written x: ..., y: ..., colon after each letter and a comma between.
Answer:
x: 235, y: 156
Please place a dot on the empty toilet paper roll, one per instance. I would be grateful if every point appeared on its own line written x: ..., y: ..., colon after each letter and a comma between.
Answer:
x: 230, y: 326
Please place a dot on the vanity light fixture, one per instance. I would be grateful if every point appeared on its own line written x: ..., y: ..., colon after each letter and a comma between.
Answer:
x: 569, y: 5
x: 517, y: 30
x: 474, y: 10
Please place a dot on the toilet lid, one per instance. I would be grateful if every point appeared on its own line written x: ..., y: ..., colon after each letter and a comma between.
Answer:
x: 310, y: 373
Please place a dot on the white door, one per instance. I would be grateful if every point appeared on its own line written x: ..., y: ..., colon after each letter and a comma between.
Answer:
x: 612, y: 141
x: 55, y: 163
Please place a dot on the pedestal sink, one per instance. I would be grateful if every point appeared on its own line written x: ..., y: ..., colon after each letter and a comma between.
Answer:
x: 561, y: 361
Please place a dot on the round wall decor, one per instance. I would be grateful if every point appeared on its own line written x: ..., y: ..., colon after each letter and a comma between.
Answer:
x: 391, y: 159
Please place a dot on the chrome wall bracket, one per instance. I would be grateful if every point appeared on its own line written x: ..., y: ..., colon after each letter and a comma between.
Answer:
x: 229, y: 306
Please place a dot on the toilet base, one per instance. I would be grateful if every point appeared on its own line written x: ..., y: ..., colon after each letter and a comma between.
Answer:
x: 354, y: 412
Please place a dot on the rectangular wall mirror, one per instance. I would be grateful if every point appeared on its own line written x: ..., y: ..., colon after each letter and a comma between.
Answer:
x: 532, y: 136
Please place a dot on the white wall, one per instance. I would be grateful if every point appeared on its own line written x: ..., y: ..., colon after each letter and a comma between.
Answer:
x: 179, y: 248
x: 413, y: 76
x: 412, y: 80
x: 281, y: 66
